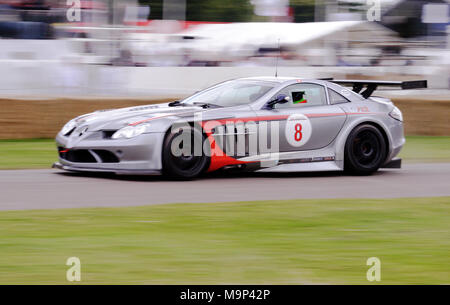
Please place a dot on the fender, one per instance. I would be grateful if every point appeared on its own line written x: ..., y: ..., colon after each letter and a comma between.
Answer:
x: 345, y: 132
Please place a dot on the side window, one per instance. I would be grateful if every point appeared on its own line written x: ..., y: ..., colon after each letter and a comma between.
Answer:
x: 303, y: 95
x: 336, y: 98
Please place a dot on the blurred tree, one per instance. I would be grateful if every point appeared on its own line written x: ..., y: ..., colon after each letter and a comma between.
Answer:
x: 305, y: 10
x: 208, y: 10
x: 219, y: 10
x: 236, y: 10
x: 155, y: 8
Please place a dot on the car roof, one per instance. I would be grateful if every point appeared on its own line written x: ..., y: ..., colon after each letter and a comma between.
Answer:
x: 279, y: 79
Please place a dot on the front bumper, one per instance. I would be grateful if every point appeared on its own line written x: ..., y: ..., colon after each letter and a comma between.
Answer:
x: 137, y: 156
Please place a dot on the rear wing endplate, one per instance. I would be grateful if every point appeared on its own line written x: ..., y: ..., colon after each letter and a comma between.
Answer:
x: 370, y: 86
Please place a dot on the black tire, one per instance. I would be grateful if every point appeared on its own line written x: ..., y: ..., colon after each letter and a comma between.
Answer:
x: 365, y: 150
x: 183, y: 167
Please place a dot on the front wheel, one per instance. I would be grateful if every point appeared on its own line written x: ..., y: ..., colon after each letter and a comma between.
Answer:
x: 365, y: 150
x: 181, y: 163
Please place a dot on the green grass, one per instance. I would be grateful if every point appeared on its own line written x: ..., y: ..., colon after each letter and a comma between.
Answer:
x: 34, y: 153
x: 426, y: 149
x: 41, y: 153
x: 267, y: 242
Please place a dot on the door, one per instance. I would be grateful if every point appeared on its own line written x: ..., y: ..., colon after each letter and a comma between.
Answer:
x: 307, y: 121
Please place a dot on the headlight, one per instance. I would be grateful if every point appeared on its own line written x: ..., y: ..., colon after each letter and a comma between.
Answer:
x: 396, y: 114
x: 130, y: 131
x: 68, y: 127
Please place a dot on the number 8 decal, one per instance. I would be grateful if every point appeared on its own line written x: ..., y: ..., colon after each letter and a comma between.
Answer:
x: 298, y: 130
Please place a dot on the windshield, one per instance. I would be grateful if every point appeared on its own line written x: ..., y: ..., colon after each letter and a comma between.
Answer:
x: 231, y: 93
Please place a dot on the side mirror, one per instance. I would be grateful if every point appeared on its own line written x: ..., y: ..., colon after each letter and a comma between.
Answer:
x: 280, y: 99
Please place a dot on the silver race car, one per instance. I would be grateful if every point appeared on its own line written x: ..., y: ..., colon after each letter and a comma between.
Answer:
x: 265, y: 124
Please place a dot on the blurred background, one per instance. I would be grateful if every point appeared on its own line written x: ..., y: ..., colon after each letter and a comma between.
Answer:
x: 175, y: 47
x: 63, y: 58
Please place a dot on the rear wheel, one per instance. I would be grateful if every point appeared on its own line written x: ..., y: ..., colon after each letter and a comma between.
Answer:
x: 179, y: 163
x: 365, y: 150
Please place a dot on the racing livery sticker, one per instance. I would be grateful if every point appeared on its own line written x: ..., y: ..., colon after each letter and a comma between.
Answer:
x: 298, y: 130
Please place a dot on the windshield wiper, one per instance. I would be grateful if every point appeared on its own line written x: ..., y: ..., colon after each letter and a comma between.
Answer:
x: 203, y: 105
x: 206, y: 105
x: 176, y: 103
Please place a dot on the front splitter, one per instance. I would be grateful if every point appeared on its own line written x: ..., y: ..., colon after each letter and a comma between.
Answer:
x: 102, y: 170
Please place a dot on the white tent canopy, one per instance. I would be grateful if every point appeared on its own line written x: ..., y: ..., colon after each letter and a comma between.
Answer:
x: 242, y: 39
x: 268, y: 33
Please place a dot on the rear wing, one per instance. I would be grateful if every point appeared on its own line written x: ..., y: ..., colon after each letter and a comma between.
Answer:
x: 371, y: 85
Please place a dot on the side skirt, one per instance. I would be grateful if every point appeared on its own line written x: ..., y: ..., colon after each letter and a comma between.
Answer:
x: 322, y: 166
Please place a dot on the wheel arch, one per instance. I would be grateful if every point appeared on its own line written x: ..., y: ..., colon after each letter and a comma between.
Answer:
x: 167, y: 133
x: 342, y: 139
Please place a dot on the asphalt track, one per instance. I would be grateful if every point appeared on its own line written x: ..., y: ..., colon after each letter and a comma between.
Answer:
x: 51, y: 189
